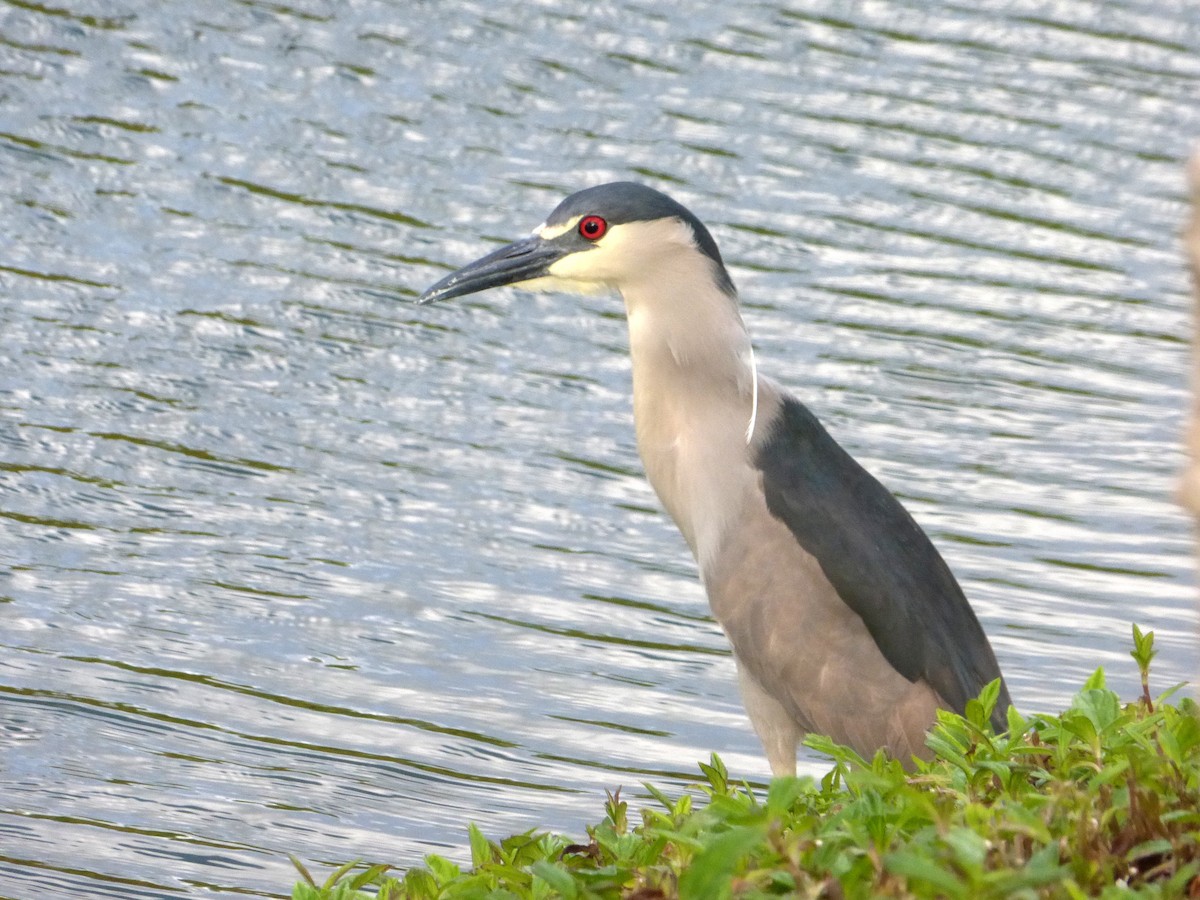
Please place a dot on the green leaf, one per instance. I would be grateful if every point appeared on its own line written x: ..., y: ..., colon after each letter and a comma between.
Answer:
x: 1143, y: 647
x: 970, y: 848
x: 304, y: 873
x: 840, y: 754
x: 667, y: 803
x: 1101, y: 707
x: 481, y: 850
x: 1042, y: 869
x: 442, y: 869
x: 419, y: 884
x: 784, y: 792
x: 712, y: 869
x: 940, y: 743
x: 617, y: 809
x: 717, y: 774
x: 372, y: 875
x: 680, y: 838
x: 979, y: 711
x: 336, y: 875
x: 556, y: 878
x: 1080, y: 725
x: 919, y: 867
x: 1017, y: 725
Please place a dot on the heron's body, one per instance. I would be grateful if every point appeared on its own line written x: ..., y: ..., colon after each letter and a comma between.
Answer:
x: 843, y: 618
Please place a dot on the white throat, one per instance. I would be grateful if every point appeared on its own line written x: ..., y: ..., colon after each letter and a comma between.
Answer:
x: 695, y: 392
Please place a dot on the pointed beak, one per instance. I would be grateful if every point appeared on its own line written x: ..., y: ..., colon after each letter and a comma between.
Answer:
x: 523, y: 260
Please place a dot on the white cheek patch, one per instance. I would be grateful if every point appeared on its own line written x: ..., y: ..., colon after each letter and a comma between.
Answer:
x: 550, y: 232
x: 563, y: 285
x: 542, y: 283
x: 577, y: 273
x: 578, y: 266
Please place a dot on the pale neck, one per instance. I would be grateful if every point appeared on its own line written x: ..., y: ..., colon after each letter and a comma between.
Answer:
x: 692, y: 400
x: 686, y: 336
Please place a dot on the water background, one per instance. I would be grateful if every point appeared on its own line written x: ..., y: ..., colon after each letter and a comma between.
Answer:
x: 290, y: 565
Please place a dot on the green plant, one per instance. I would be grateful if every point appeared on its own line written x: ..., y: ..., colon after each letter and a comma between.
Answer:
x: 1102, y: 800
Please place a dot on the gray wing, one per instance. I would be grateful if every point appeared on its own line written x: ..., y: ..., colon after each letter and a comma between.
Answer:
x: 878, y: 559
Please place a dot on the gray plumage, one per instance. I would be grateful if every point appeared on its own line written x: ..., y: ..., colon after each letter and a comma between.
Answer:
x: 843, y: 617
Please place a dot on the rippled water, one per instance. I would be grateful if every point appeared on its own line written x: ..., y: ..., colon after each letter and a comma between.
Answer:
x: 290, y: 565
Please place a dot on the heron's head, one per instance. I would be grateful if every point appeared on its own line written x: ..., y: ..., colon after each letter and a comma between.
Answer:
x: 608, y: 236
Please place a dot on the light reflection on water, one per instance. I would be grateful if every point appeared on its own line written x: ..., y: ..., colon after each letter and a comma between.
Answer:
x: 294, y: 567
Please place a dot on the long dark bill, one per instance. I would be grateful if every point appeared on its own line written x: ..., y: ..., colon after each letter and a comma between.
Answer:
x: 521, y: 260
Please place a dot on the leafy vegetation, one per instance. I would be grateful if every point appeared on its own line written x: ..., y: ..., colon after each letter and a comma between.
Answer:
x: 1100, y: 801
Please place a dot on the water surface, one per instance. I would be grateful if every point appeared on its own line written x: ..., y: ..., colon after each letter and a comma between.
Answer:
x: 290, y: 565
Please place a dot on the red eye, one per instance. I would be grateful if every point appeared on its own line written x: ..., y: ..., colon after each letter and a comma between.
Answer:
x: 592, y: 228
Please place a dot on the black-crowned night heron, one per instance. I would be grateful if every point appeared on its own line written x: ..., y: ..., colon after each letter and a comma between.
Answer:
x: 844, y: 619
